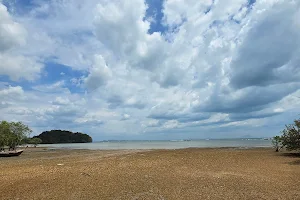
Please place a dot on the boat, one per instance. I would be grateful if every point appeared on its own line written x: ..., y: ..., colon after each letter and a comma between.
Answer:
x: 11, y: 153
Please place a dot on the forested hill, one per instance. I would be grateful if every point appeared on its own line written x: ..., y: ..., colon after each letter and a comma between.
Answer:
x: 62, y: 136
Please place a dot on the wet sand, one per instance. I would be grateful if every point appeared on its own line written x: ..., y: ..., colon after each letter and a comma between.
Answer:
x: 152, y: 174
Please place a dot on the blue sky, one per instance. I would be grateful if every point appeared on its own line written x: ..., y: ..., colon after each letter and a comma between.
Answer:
x: 151, y: 69
x: 154, y: 11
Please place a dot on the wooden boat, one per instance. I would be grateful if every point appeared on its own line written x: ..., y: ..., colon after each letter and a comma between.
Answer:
x: 11, y: 153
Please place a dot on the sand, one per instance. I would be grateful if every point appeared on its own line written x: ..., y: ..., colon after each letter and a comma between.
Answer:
x: 154, y: 174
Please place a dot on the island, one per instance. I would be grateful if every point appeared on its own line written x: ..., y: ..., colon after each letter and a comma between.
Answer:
x: 63, y: 136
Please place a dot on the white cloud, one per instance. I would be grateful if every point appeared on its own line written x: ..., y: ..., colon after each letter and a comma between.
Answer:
x: 61, y: 101
x: 11, y: 92
x: 57, y: 87
x: 12, y: 34
x: 150, y: 123
x: 125, y: 117
x: 219, y: 64
x: 268, y: 52
x: 18, y: 66
x: 86, y: 121
x: 171, y: 124
x: 12, y: 63
x: 122, y: 29
x: 99, y: 74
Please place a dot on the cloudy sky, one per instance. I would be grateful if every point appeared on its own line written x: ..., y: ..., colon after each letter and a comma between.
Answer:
x: 151, y: 69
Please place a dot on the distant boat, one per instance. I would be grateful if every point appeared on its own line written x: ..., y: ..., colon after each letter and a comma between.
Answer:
x: 11, y: 153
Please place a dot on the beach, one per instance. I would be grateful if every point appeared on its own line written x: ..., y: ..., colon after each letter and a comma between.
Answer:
x: 192, y: 173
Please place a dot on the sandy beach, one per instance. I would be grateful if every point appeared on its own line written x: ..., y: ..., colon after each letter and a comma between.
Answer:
x: 151, y: 174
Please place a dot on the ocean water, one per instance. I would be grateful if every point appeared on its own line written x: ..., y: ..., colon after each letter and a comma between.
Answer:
x: 172, y: 144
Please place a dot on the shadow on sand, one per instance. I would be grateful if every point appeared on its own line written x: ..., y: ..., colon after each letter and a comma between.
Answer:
x: 292, y: 155
x: 296, y: 162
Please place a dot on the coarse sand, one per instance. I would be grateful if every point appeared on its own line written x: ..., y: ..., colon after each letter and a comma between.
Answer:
x: 223, y: 173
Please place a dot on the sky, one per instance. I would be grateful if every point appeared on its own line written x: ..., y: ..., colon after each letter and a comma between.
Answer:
x: 172, y: 69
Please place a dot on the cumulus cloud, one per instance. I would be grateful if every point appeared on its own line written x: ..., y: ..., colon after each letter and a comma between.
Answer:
x: 170, y: 124
x: 61, y: 101
x: 246, y: 100
x: 125, y: 117
x: 11, y: 92
x: 214, y: 66
x: 18, y: 66
x: 116, y: 101
x: 13, y: 63
x: 12, y: 33
x: 85, y: 121
x: 56, y: 87
x: 122, y: 29
x: 269, y: 52
x: 151, y: 123
x: 99, y: 74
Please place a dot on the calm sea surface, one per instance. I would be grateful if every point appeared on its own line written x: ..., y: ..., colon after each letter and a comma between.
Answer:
x: 176, y: 144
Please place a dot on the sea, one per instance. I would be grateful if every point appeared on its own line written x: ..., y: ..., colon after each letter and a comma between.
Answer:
x: 165, y: 144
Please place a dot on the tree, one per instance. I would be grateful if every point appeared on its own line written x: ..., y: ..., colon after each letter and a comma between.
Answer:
x: 4, y: 134
x: 291, y: 136
x: 13, y: 133
x: 277, y: 143
x: 19, y: 132
x: 35, y: 141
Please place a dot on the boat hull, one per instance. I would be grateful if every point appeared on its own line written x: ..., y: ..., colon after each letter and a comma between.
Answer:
x: 10, y: 153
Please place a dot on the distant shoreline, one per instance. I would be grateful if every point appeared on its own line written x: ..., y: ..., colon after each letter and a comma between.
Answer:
x: 113, y: 145
x: 67, y: 148
x: 182, y: 140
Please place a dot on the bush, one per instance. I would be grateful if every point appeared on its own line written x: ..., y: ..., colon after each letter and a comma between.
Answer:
x: 12, y: 134
x: 291, y: 136
x: 35, y: 141
x: 277, y: 143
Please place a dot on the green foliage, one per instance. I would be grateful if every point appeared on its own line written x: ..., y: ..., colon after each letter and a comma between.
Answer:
x: 60, y: 136
x: 277, y: 143
x: 4, y: 133
x: 26, y: 140
x: 13, y: 133
x: 291, y: 136
x: 35, y: 141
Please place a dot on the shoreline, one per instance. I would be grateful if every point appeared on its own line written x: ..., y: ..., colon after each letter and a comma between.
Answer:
x: 66, y: 149
x: 191, y: 173
x: 179, y: 144
x: 241, y: 147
